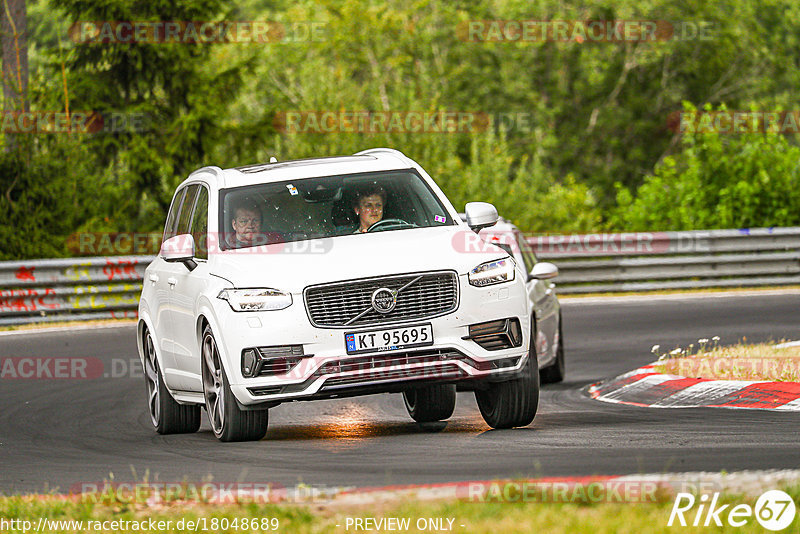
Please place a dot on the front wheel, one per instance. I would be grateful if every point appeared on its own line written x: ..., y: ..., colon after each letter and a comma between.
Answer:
x: 228, y: 422
x: 431, y: 403
x: 514, y: 402
x: 555, y: 371
x: 167, y: 416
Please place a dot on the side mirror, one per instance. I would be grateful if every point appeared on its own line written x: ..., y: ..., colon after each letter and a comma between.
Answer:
x: 480, y: 215
x: 544, y: 271
x: 179, y: 248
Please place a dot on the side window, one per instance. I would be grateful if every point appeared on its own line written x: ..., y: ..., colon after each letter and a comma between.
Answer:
x: 185, y: 215
x: 169, y: 228
x: 200, y: 224
x: 527, y: 252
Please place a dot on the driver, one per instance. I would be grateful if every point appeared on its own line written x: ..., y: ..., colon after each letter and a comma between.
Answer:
x: 368, y: 207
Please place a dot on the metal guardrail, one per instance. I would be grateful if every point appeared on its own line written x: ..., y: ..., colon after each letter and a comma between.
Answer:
x: 647, y: 261
x: 109, y: 287
x: 67, y: 289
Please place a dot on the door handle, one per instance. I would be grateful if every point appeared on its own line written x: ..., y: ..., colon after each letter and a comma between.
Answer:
x: 153, y: 277
x: 172, y: 281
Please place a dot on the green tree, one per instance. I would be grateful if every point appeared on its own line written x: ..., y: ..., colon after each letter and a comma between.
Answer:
x: 718, y: 181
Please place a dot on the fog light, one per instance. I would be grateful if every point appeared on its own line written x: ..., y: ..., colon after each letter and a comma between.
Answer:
x: 515, y: 333
x: 497, y: 335
x: 249, y: 362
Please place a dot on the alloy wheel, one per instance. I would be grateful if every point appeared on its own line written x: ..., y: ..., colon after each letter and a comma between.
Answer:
x: 151, y: 375
x: 213, y: 387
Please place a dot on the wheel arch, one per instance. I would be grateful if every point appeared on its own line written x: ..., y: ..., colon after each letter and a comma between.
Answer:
x: 200, y: 327
x: 146, y: 322
x: 532, y: 333
x: 206, y: 317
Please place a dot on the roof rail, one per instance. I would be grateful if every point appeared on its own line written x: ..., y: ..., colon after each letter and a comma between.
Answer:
x: 381, y: 150
x: 213, y: 169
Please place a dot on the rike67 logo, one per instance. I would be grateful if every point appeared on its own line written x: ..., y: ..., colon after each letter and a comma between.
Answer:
x: 774, y: 510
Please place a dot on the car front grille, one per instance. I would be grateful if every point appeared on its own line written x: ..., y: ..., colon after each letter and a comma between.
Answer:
x: 420, y: 296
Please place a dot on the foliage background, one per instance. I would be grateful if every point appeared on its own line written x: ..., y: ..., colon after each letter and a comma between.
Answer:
x: 595, y: 154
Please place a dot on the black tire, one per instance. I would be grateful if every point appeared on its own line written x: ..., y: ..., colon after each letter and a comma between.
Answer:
x: 228, y: 421
x: 555, y: 372
x: 512, y: 403
x: 166, y: 415
x: 430, y: 403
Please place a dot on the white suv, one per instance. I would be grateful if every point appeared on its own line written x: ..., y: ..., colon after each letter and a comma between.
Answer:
x: 269, y: 287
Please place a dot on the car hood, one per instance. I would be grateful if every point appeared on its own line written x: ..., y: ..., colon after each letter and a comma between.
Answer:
x: 293, y: 266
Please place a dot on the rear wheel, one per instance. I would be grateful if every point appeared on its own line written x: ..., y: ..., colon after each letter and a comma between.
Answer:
x: 167, y: 416
x: 555, y: 371
x: 514, y: 402
x: 430, y: 403
x: 228, y: 422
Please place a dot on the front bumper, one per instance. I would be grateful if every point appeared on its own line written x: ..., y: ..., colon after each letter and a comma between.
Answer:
x: 326, y: 370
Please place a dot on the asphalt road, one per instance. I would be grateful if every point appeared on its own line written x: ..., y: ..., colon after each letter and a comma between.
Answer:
x: 58, y: 434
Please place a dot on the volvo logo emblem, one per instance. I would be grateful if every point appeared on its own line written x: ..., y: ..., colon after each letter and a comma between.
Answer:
x: 384, y: 300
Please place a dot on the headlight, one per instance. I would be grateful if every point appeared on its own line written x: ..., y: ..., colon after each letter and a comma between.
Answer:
x: 242, y: 300
x: 492, y: 272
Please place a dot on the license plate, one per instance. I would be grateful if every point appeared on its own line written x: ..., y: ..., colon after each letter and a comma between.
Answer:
x: 389, y: 339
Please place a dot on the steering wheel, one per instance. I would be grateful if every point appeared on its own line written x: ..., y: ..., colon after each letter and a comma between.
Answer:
x: 388, y: 222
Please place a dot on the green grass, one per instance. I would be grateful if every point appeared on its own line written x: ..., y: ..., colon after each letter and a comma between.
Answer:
x: 323, y: 517
x: 62, y: 324
x: 743, y: 361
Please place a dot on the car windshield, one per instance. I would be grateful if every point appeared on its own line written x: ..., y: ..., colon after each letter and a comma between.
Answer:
x: 311, y: 208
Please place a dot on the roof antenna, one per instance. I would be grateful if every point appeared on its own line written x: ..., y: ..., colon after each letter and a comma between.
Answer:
x: 273, y: 159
